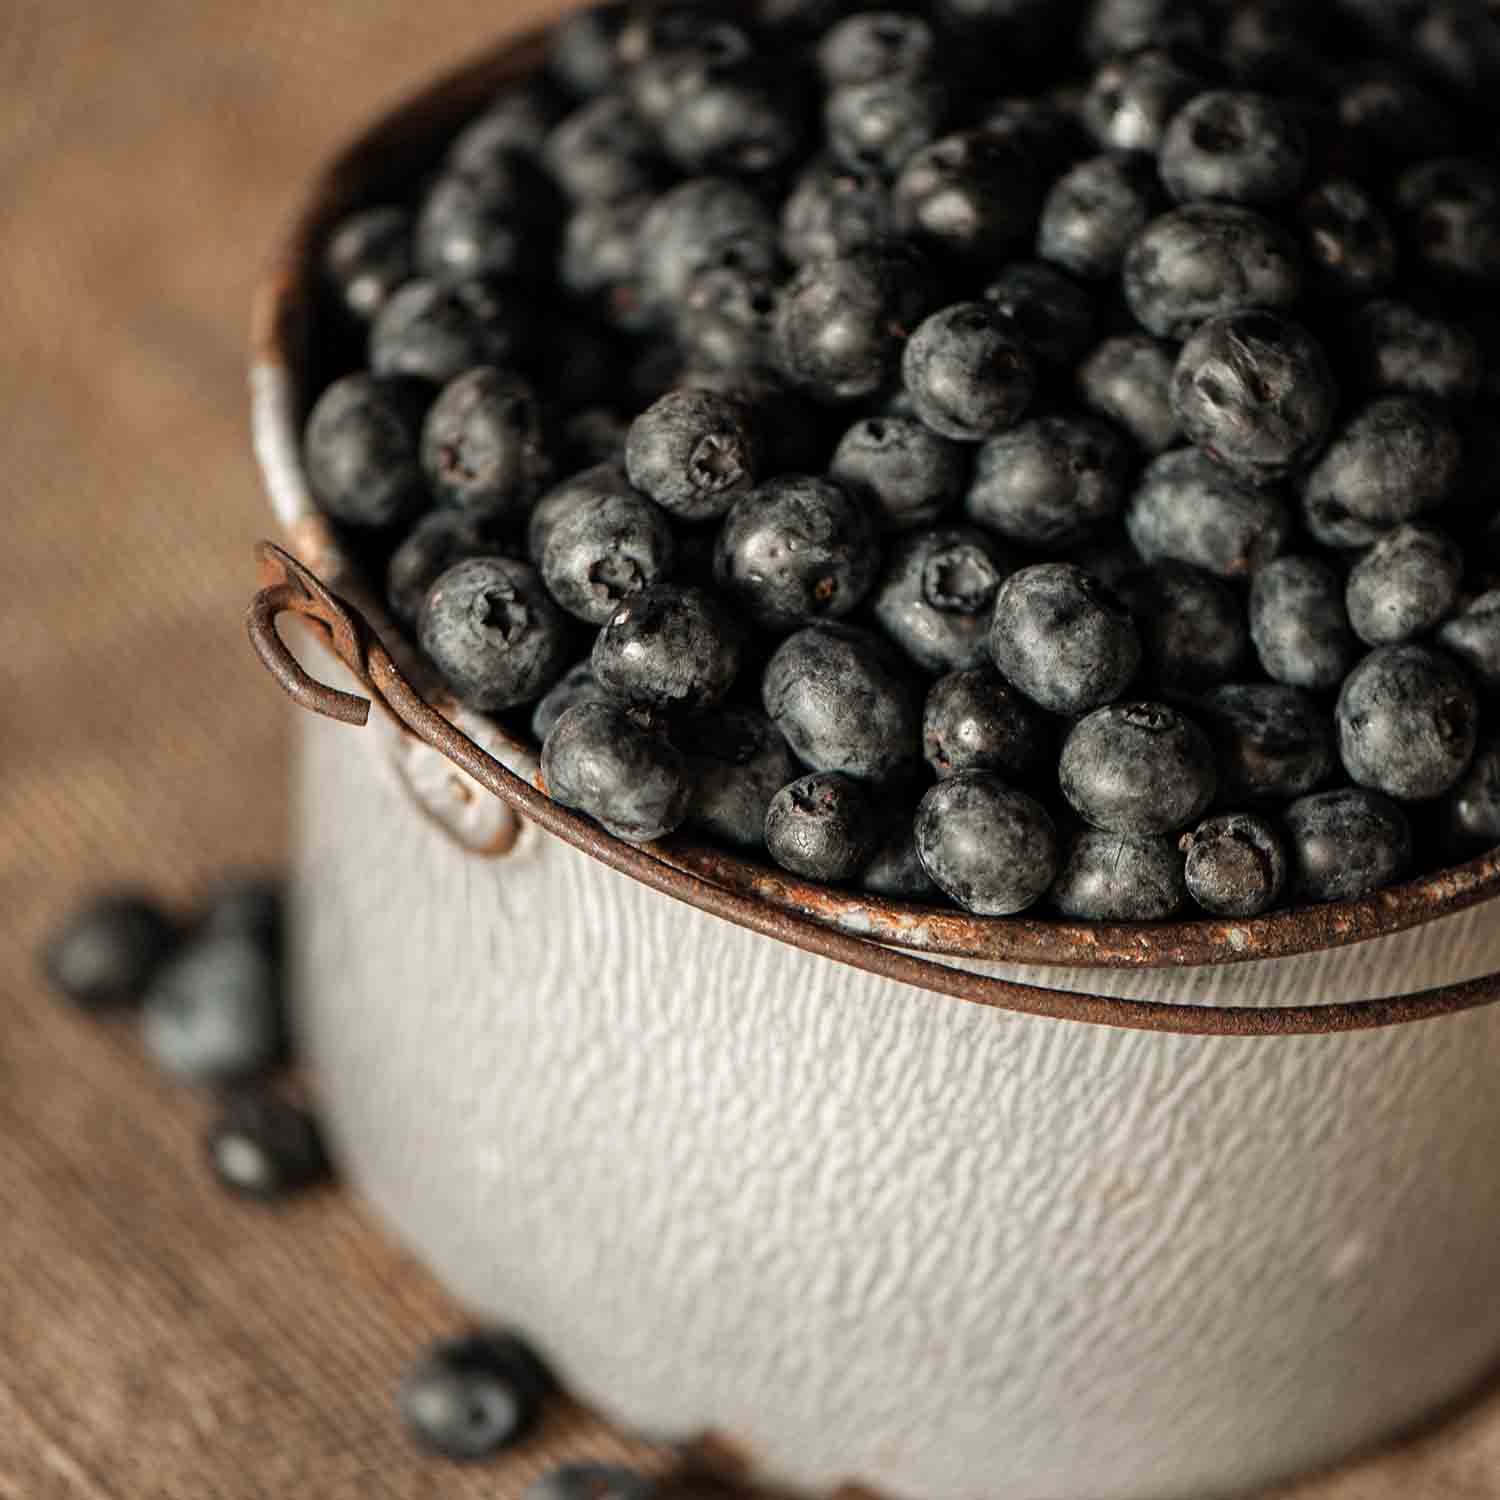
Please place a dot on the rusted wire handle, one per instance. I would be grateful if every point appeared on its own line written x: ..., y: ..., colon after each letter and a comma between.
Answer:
x: 288, y: 586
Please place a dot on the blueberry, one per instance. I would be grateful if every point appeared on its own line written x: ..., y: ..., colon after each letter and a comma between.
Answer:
x: 937, y: 594
x: 599, y: 760
x: 1471, y: 808
x: 1399, y: 347
x: 1116, y: 28
x: 739, y: 760
x: 1473, y: 637
x: 681, y: 27
x: 1235, y: 146
x: 600, y: 259
x: 1272, y: 742
x: 1299, y: 624
x: 1132, y: 100
x: 876, y: 44
x: 879, y: 126
x: 591, y: 1482
x: 1346, y: 843
x: 609, y: 543
x: 1118, y: 877
x: 435, y: 333
x: 840, y: 324
x: 904, y: 472
x: 515, y: 122
x: 1054, y: 314
x: 796, y: 549
x: 104, y: 955
x: 251, y: 902
x: 822, y: 826
x: 1386, y: 117
x: 1110, y: 556
x: 993, y: 849
x: 668, y: 648
x: 1050, y: 482
x: 973, y: 195
x: 1404, y: 585
x: 470, y: 1398
x: 361, y: 448
x: 1129, y: 380
x: 1191, y: 508
x: 844, y: 703
x: 1063, y: 639
x: 1204, y: 259
x: 430, y: 548
x: 1408, y: 721
x: 213, y: 1014
x: 700, y: 224
x: 576, y: 685
x: 975, y: 720
x: 1046, y: 128
x: 725, y: 321
x: 1348, y: 242
x: 597, y: 482
x: 1092, y: 213
x: 1450, y: 210
x: 832, y: 211
x: 486, y: 449
x: 1271, y: 43
x: 1137, y: 768
x: 494, y: 223
x: 604, y: 151
x: 1192, y: 626
x: 1391, y: 460
x: 490, y: 629
x: 263, y: 1147
x: 895, y: 869
x: 582, y: 48
x: 1236, y: 864
x: 693, y: 452
x: 367, y: 257
x: 967, y: 372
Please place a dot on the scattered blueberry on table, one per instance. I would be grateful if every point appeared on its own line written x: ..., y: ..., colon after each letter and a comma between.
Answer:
x: 1074, y: 487
x: 468, y: 1398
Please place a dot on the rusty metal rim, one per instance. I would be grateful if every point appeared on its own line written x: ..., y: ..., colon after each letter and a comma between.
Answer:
x: 397, y: 145
x: 289, y: 587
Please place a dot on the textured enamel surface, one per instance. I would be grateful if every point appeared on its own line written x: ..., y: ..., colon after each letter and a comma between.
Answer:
x: 870, y: 1233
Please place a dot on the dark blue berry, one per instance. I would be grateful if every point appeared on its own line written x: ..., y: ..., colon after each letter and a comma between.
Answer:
x: 822, y: 826
x: 876, y: 44
x: 1272, y: 742
x: 972, y: 195
x: 1190, y: 508
x: 1092, y: 213
x: 1399, y: 347
x: 1471, y: 808
x: 1137, y: 768
x: 693, y: 452
x: 976, y: 721
x: 1118, y: 877
x: 1205, y: 259
x: 1192, y: 626
x: 1390, y: 461
x: 1132, y: 100
x: 576, y: 685
x: 967, y: 372
x: 1450, y: 211
x: 1236, y: 864
x: 1234, y: 146
x: 1129, y: 380
x: 1299, y: 624
x: 700, y: 224
x: 879, y: 126
x: 1054, y: 314
x: 1404, y: 585
x: 262, y: 1146
x: 1385, y: 116
x: 599, y: 760
x: 492, y: 223
x: 840, y: 324
x: 367, y: 257
x: 607, y: 542
x: 1345, y: 843
x: 937, y: 594
x: 361, y: 450
x: 600, y: 261
x: 1408, y: 721
x: 1272, y: 43
x: 515, y: 123
x: 796, y: 549
x: 833, y: 211
x: 726, y: 320
x: 486, y: 448
x: 489, y: 627
x: 1117, y: 28
x: 249, y: 902
x: 591, y: 1482
x: 1050, y: 482
x: 438, y: 541
x: 904, y: 472
x: 470, y: 1398
x: 744, y: 117
x: 1473, y: 637
x: 895, y: 870
x: 1347, y: 241
x: 433, y: 332
x: 105, y: 954
x: 604, y: 151
x: 990, y: 847
x: 845, y: 702
x: 1254, y: 390
x: 738, y: 760
x: 668, y: 648
x: 1063, y: 639
x: 582, y: 48
x: 1046, y: 128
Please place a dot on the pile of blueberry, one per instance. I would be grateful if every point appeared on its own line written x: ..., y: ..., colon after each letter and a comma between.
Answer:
x: 1004, y: 450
